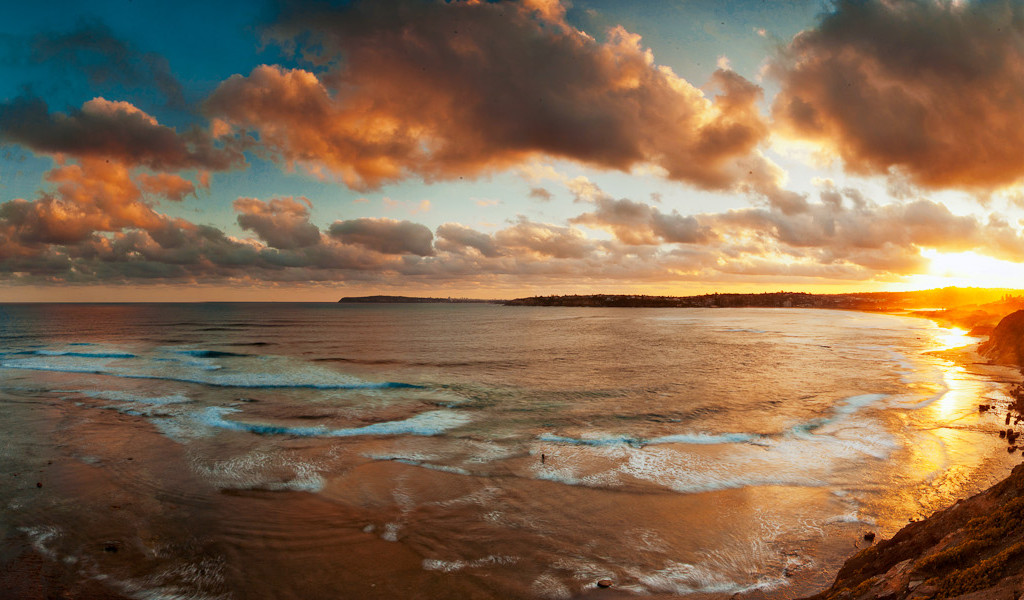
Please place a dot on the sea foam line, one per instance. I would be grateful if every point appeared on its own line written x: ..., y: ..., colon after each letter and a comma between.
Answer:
x: 252, y: 380
x: 424, y: 424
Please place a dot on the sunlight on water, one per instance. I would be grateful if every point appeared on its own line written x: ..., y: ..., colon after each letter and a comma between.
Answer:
x: 951, y: 337
x: 479, y: 451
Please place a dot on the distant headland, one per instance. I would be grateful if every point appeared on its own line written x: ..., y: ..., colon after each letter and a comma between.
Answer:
x: 413, y: 300
x: 975, y: 309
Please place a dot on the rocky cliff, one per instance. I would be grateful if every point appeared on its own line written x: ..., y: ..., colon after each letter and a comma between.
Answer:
x: 1005, y: 345
x: 972, y: 550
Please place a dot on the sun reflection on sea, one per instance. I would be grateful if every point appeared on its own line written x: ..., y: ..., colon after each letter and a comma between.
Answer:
x: 951, y: 337
x: 948, y: 445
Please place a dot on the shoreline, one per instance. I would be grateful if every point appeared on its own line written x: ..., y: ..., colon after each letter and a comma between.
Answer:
x: 973, y: 549
x: 48, y: 583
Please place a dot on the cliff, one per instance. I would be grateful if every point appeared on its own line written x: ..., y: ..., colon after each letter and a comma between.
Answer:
x: 972, y: 550
x: 1005, y: 345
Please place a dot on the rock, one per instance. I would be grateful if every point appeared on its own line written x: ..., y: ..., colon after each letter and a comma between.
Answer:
x: 605, y: 583
x: 1002, y: 433
x: 869, y: 536
x: 110, y: 547
x: 39, y: 484
x: 1007, y: 419
x: 1006, y: 344
x: 983, y: 407
x: 1011, y: 449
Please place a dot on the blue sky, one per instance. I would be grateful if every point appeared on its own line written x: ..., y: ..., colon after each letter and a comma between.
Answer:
x: 243, y: 150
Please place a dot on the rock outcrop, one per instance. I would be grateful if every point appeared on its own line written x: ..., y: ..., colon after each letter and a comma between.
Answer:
x: 973, y: 550
x: 1005, y: 345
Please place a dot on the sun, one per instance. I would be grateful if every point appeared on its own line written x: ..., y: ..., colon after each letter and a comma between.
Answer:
x: 967, y: 269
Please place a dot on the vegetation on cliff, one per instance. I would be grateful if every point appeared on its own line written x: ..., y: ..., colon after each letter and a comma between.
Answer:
x: 975, y: 545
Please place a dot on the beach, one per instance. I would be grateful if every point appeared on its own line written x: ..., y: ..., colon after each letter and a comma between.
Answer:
x: 296, y: 451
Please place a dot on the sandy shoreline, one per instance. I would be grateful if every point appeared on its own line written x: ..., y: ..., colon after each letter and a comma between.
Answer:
x: 972, y: 549
x: 29, y: 572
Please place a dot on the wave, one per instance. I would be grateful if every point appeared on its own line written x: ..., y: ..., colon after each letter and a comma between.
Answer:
x: 635, y: 442
x: 424, y: 424
x: 846, y: 408
x: 121, y: 396
x: 78, y: 354
x: 229, y: 380
x: 209, y: 353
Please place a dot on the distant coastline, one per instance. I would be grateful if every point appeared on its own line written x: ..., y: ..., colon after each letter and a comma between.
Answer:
x: 413, y: 300
x: 976, y: 309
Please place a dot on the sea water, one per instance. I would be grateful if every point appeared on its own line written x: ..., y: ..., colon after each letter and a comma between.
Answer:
x: 475, y: 451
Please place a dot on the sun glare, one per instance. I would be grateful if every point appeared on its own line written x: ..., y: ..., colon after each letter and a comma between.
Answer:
x: 968, y: 269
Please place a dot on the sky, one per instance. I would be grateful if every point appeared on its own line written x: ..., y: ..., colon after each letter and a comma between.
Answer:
x: 305, y: 151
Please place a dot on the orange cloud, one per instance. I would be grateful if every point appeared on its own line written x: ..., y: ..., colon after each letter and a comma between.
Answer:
x: 172, y: 187
x: 440, y: 90
x: 930, y: 90
x: 93, y: 195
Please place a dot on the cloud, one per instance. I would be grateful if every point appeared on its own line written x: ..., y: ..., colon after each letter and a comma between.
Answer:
x: 846, y: 227
x: 282, y: 223
x: 115, y: 130
x: 927, y: 89
x: 93, y: 226
x: 91, y: 196
x: 91, y: 48
x: 386, y: 236
x: 172, y: 187
x: 544, y: 239
x: 539, y: 193
x: 456, y: 238
x: 636, y: 223
x: 441, y: 90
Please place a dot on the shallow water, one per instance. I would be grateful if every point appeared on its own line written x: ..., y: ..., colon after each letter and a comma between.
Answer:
x: 307, y: 451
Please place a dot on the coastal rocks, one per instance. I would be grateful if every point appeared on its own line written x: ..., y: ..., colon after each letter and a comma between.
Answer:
x: 973, y: 550
x: 1005, y: 345
x: 605, y: 583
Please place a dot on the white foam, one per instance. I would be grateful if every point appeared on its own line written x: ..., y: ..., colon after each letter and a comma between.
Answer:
x: 451, y: 566
x: 261, y: 470
x: 122, y: 396
x: 424, y: 424
x: 548, y: 586
x: 40, y: 537
x: 391, y: 532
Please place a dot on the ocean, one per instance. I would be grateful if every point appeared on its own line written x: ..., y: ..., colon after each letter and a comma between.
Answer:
x: 251, y: 451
